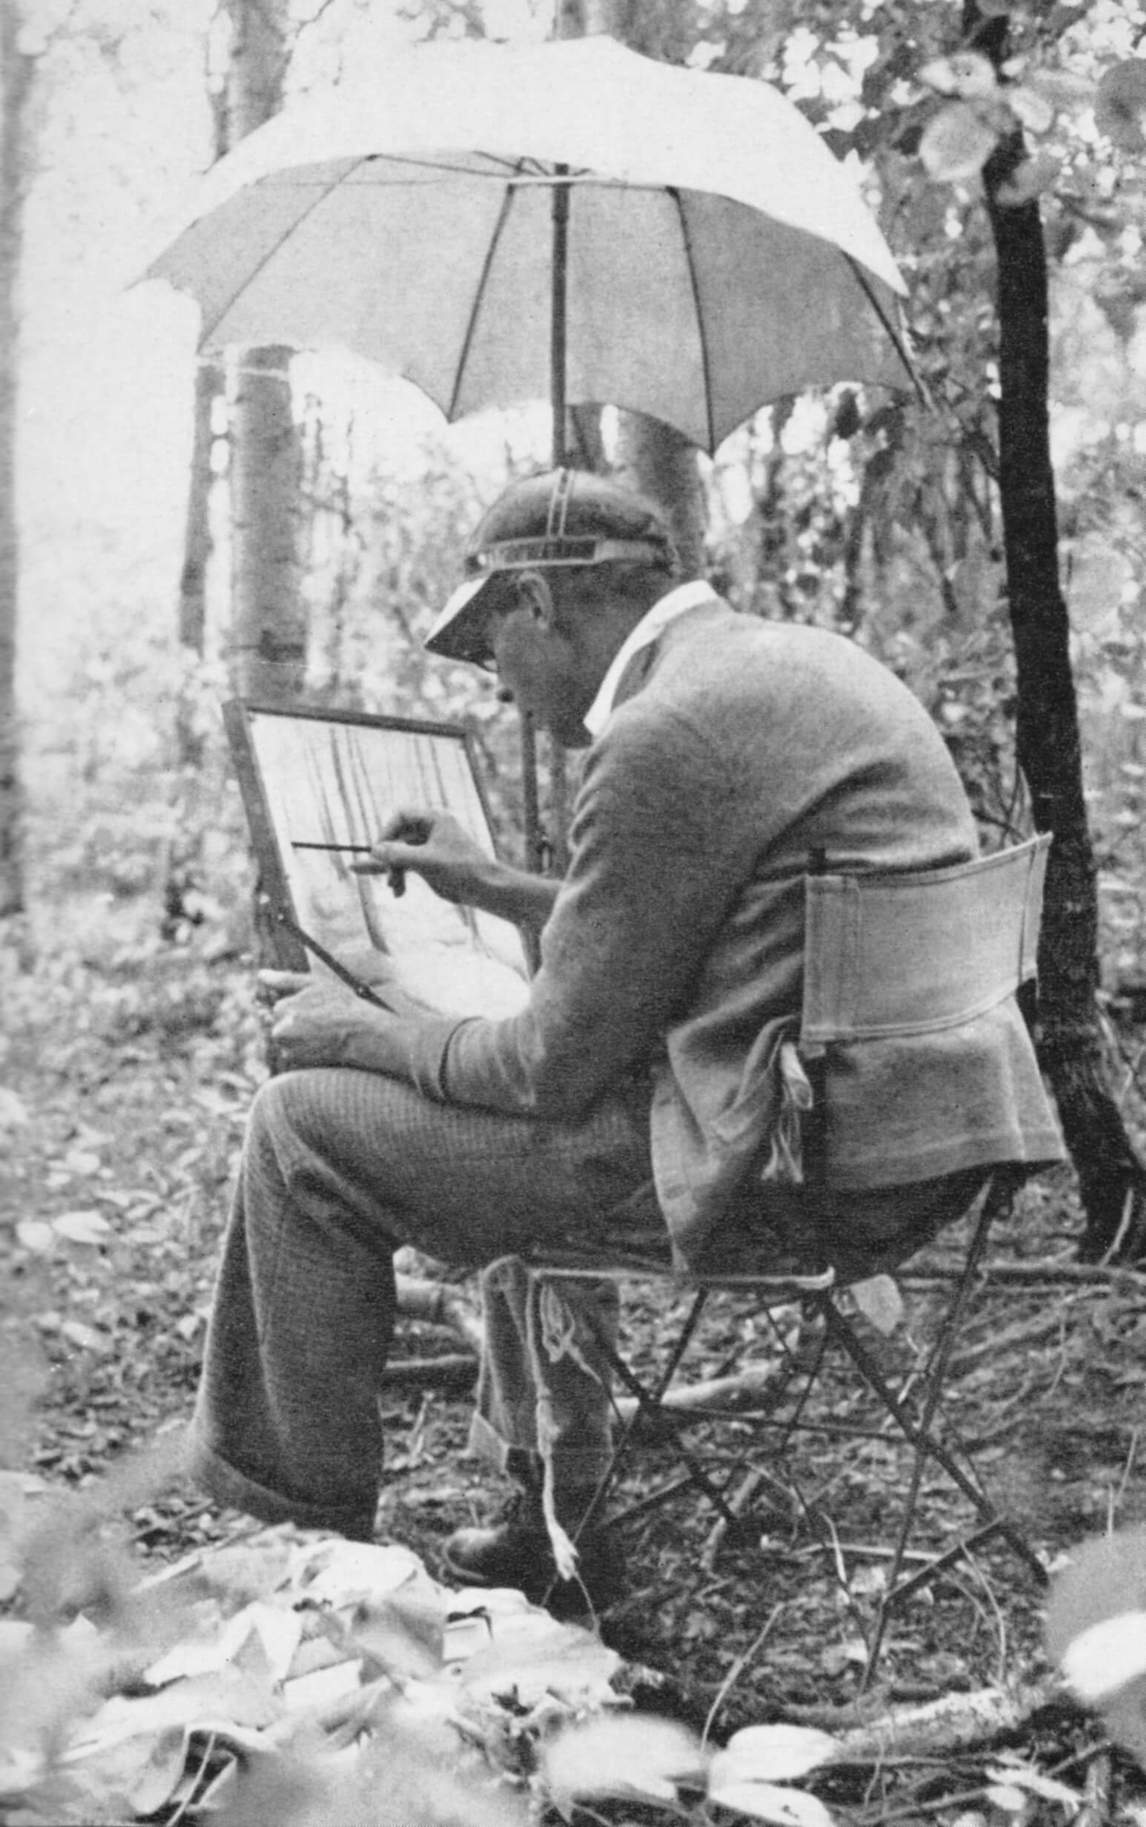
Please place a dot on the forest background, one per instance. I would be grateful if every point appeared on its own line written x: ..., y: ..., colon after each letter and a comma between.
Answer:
x: 129, y: 1045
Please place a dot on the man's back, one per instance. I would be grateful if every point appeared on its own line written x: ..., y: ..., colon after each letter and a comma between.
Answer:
x: 737, y: 751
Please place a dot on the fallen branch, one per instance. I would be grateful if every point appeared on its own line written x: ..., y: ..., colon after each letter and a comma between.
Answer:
x: 438, y: 1303
x: 868, y: 1733
x: 454, y: 1371
x: 1032, y: 1275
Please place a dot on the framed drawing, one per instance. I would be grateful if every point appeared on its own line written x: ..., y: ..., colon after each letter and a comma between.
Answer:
x: 318, y: 788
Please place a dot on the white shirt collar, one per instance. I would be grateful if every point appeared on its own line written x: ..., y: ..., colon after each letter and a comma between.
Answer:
x: 647, y: 630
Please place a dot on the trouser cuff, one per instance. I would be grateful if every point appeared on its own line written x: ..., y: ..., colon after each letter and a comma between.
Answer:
x: 233, y: 1489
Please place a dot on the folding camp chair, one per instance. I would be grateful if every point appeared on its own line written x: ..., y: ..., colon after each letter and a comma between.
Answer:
x: 885, y: 955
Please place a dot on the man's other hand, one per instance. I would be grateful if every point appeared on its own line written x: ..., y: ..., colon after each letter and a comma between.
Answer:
x: 323, y: 1024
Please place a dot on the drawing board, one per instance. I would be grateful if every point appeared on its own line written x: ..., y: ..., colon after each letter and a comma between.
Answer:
x: 317, y: 783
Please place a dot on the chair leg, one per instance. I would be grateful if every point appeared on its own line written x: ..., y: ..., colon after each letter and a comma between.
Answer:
x: 919, y: 1432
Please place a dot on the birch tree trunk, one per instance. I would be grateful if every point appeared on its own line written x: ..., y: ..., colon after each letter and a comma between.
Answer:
x: 268, y: 623
x: 16, y: 76
x: 191, y: 628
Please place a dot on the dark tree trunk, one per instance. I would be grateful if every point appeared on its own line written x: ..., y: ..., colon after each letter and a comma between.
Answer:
x: 1112, y: 1181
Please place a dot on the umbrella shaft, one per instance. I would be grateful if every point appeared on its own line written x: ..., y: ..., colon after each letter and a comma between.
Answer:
x: 557, y: 330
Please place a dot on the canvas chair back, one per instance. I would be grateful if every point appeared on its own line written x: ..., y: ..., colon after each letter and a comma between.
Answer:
x: 902, y: 954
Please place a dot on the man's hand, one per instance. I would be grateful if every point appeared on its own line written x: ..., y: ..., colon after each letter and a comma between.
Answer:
x: 438, y: 848
x: 319, y: 1023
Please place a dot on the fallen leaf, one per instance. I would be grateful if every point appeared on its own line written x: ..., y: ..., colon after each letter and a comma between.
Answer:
x: 82, y: 1227
x: 403, y: 1633
x: 80, y: 1161
x: 13, y: 1111
x: 35, y: 1236
x: 774, y: 1754
x: 340, y: 1573
x: 84, y: 1338
x: 770, y: 1802
x: 641, y: 1759
x: 879, y: 1300
x: 1022, y: 1776
x: 532, y: 1655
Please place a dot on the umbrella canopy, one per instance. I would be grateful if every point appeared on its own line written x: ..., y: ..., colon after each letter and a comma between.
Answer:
x: 569, y: 220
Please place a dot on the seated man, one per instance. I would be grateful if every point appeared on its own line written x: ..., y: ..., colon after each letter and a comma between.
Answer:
x: 641, y: 1083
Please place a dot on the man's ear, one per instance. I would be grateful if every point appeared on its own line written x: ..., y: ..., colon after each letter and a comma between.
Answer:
x: 535, y: 596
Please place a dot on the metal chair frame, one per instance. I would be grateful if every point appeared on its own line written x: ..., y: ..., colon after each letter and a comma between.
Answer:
x: 1008, y: 946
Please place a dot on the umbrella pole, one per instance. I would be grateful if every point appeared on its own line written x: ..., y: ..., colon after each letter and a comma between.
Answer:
x: 537, y: 848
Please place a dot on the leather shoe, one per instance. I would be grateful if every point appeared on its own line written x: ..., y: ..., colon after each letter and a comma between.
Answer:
x: 516, y: 1552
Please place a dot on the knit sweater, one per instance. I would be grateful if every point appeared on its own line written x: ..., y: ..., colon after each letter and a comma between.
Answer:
x: 675, y: 947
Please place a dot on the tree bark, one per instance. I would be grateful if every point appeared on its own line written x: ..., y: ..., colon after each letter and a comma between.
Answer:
x: 16, y: 76
x: 1112, y: 1181
x: 191, y: 626
x: 268, y: 627
x: 656, y: 461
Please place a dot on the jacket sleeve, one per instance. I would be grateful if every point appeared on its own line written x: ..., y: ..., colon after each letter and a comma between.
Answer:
x: 656, y: 862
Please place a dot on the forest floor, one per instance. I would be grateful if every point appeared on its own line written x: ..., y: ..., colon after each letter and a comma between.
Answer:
x: 126, y: 1069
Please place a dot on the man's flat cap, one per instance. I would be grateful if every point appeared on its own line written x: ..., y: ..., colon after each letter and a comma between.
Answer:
x: 560, y: 518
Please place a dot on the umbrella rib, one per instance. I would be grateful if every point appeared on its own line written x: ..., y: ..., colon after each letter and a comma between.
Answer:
x: 270, y: 254
x: 479, y: 292
x: 705, y: 367
x: 893, y: 334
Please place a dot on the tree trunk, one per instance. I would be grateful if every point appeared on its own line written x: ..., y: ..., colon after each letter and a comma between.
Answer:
x: 268, y: 625
x: 16, y: 75
x: 1112, y: 1181
x: 656, y: 461
x: 197, y: 545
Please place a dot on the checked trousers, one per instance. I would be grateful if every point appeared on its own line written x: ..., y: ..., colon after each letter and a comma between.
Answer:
x: 339, y: 1169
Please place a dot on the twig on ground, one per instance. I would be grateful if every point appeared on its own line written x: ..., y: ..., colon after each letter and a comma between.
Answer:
x: 453, y: 1371
x: 1097, y: 1809
x: 737, y: 1669
x: 1035, y: 1275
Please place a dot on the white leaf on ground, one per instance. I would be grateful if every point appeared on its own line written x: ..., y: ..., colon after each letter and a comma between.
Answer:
x: 879, y: 1300
x: 13, y: 1110
x: 1021, y: 1776
x: 84, y: 1338
x: 322, y: 1686
x: 532, y: 1655
x: 81, y: 1161
x: 1007, y: 1797
x: 1106, y: 1656
x: 770, y: 1802
x: 773, y: 1754
x: 82, y: 1227
x: 277, y: 1629
x: 637, y: 1758
x: 221, y: 1701
x: 340, y: 1572
x: 402, y: 1632
x: 33, y: 1235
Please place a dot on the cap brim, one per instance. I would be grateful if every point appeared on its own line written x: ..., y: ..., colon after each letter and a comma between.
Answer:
x: 460, y: 631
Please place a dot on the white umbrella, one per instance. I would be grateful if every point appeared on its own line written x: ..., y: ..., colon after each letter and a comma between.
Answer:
x: 570, y: 220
